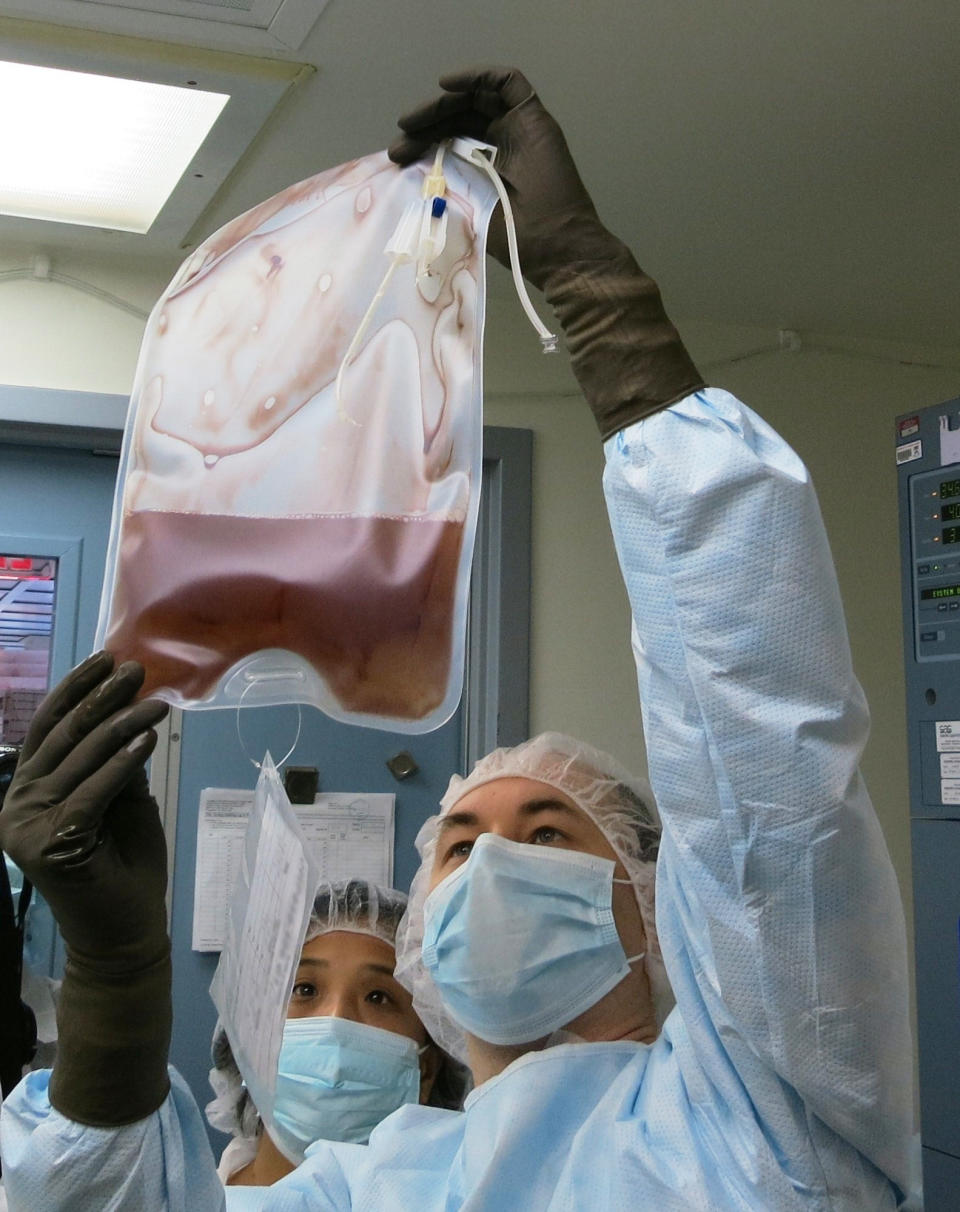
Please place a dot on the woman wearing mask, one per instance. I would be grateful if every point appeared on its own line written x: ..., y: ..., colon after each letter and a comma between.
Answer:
x: 353, y: 1048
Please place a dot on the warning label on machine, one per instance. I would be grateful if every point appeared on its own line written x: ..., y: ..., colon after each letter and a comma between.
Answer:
x: 948, y: 736
x: 950, y: 791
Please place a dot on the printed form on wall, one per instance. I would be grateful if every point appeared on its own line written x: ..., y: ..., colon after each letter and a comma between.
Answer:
x: 350, y: 836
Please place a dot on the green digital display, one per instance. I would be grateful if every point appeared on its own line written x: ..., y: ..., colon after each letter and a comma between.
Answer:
x: 950, y: 534
x: 948, y: 489
x: 950, y: 513
x: 942, y: 591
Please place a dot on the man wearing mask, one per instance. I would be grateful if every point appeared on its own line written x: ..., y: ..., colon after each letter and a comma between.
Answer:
x: 781, y: 1079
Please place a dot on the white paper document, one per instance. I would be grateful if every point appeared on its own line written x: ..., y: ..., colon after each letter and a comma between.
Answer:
x: 349, y: 836
x: 221, y: 825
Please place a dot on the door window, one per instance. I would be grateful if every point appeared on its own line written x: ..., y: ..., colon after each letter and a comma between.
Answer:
x: 28, y: 589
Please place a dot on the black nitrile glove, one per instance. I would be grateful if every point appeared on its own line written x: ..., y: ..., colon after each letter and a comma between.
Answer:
x: 79, y: 821
x: 627, y: 356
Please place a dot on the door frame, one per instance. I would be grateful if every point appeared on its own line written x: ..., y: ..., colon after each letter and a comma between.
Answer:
x: 496, y: 685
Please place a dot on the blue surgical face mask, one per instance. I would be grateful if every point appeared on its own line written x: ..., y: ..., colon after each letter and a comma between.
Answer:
x: 520, y: 940
x: 337, y: 1079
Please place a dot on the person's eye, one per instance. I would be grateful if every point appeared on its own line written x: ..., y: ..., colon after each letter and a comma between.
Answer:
x: 460, y: 850
x: 379, y: 997
x: 546, y: 835
x: 304, y: 990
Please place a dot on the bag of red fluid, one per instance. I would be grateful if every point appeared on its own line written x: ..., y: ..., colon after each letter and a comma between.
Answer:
x: 298, y: 489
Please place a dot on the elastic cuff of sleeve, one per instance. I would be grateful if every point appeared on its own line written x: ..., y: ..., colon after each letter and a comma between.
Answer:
x: 114, y: 1040
x: 627, y: 412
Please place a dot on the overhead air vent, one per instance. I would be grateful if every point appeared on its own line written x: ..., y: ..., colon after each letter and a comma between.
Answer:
x: 250, y: 23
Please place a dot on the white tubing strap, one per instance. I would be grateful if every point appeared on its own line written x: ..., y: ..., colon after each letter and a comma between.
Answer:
x: 406, y: 244
x: 479, y: 154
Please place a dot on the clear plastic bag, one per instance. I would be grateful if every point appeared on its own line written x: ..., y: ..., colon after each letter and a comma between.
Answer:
x: 298, y: 489
x: 269, y: 912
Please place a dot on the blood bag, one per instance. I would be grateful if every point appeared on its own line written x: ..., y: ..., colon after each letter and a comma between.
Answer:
x: 299, y: 483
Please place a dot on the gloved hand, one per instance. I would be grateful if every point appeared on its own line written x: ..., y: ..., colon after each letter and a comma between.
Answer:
x: 626, y: 354
x: 80, y: 822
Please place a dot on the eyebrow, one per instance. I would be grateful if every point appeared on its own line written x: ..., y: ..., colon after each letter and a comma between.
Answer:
x: 381, y: 969
x: 528, y: 809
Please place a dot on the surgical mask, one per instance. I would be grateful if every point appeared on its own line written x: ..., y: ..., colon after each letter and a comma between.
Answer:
x: 521, y: 940
x: 337, y: 1079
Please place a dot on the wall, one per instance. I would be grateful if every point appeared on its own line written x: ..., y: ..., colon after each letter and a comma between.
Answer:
x: 56, y: 335
x: 835, y: 405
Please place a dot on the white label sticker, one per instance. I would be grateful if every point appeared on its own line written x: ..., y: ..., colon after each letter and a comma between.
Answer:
x: 950, y: 765
x: 909, y: 451
x: 949, y: 441
x: 950, y: 791
x: 948, y: 736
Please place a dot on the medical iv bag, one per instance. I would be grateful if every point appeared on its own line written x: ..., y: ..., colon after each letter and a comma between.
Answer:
x: 298, y: 489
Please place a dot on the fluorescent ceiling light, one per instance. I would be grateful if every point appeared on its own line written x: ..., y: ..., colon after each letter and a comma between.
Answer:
x: 95, y: 150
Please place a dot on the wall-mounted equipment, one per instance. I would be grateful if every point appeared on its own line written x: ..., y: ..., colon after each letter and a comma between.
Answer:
x: 928, y: 462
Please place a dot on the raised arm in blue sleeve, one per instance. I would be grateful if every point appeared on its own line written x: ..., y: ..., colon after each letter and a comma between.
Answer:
x: 778, y: 908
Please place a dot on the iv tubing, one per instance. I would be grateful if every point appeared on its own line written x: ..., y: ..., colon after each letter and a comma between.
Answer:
x: 547, y: 338
x: 434, y: 185
x: 358, y: 337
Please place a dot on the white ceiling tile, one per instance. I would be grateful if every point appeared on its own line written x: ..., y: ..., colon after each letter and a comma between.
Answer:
x: 270, y: 23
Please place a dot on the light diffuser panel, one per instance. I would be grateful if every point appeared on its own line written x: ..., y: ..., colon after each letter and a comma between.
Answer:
x: 95, y: 150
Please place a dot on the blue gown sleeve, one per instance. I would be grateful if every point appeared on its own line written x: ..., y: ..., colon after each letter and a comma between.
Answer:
x: 162, y: 1163
x: 778, y: 910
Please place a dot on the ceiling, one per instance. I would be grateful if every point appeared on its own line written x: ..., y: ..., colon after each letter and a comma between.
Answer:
x: 794, y: 166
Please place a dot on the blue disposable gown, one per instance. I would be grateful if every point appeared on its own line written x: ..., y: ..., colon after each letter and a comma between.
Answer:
x: 782, y: 1079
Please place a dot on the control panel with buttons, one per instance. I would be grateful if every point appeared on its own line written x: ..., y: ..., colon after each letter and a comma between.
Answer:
x: 935, y: 545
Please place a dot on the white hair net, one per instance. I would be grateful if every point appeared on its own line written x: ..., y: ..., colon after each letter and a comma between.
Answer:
x: 620, y: 805
x: 357, y: 906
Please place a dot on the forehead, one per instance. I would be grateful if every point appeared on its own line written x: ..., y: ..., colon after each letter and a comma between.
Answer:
x: 504, y: 801
x: 509, y: 794
x: 346, y: 952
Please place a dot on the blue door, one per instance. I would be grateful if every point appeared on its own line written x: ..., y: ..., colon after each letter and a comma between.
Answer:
x: 56, y: 501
